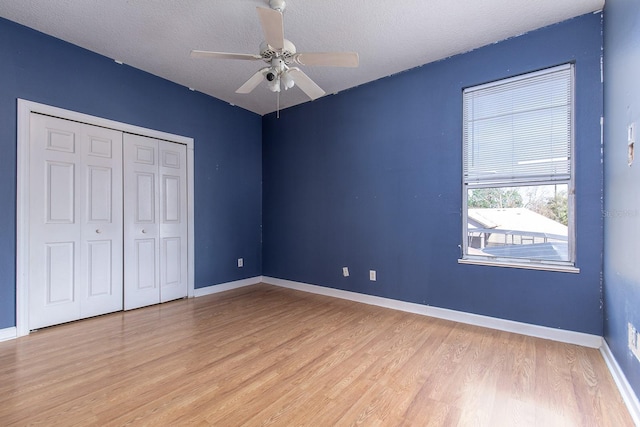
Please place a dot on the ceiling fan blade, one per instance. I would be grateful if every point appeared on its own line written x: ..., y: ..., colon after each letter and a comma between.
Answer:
x: 328, y: 59
x: 223, y: 55
x: 272, y: 27
x: 307, y: 85
x: 253, y: 81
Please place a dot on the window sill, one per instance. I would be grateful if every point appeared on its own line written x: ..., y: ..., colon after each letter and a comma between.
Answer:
x: 522, y: 265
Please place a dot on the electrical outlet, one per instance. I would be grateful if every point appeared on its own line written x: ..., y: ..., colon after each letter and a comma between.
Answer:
x: 372, y: 275
x: 240, y: 262
x: 345, y: 271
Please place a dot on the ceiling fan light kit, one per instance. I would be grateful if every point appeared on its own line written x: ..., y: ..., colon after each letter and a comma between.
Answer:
x: 281, y: 55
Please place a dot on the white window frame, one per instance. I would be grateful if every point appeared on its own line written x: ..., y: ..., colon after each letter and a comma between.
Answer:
x: 536, y: 264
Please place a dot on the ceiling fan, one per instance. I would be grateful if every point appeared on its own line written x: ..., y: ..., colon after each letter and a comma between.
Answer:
x: 282, y: 57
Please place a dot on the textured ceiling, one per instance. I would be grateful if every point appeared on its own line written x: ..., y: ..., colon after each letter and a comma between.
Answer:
x: 157, y: 35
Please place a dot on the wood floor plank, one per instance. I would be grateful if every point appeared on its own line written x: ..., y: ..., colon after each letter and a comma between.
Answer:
x: 263, y: 355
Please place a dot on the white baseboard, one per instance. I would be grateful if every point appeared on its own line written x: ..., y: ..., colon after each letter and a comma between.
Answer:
x: 214, y: 289
x: 628, y: 395
x: 8, y: 334
x: 561, y: 335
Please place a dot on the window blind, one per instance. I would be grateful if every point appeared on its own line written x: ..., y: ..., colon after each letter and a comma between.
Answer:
x: 518, y: 131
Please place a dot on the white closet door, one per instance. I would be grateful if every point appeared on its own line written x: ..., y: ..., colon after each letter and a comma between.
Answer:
x: 101, y: 252
x: 141, y: 231
x: 155, y: 211
x: 173, y: 220
x: 74, y: 271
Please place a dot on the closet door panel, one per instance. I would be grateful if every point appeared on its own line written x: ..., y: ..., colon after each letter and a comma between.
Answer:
x: 145, y: 195
x: 54, y: 236
x: 99, y: 194
x: 146, y: 267
x: 60, y: 192
x: 141, y: 230
x: 99, y: 268
x: 173, y: 265
x: 75, y: 221
x: 101, y: 254
x: 173, y: 221
x: 59, y: 274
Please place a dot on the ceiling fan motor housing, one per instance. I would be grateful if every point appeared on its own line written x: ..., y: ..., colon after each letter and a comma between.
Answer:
x: 287, y: 54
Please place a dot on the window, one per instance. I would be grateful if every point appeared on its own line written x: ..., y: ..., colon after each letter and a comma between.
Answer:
x: 518, y: 181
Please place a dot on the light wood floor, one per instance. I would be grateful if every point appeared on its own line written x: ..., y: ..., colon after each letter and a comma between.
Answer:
x: 265, y: 355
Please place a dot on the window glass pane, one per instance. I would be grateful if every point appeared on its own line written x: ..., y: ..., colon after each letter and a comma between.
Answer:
x: 529, y: 222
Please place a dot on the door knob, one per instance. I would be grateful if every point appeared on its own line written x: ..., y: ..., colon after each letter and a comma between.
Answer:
x: 98, y: 231
x: 144, y: 231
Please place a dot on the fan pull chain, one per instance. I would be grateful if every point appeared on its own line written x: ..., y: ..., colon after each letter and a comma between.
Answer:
x: 278, y: 105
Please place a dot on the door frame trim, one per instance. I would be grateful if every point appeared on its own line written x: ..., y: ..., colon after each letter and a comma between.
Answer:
x: 25, y: 108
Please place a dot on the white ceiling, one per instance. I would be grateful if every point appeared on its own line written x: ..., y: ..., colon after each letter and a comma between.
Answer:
x: 390, y: 36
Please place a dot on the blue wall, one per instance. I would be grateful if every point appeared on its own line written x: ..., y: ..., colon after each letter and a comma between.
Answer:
x: 622, y: 191
x: 371, y: 179
x: 228, y: 198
